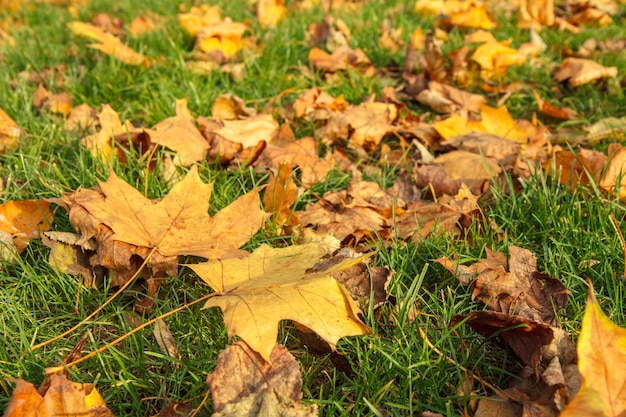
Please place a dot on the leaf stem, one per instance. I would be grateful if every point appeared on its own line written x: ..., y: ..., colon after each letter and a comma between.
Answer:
x: 99, y: 309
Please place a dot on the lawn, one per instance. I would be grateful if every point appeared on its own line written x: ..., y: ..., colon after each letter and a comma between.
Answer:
x: 414, y: 361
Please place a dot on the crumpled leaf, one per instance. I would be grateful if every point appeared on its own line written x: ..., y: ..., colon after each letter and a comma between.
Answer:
x: 61, y: 398
x: 535, y: 14
x: 244, y: 384
x: 25, y: 220
x: 101, y: 144
x: 270, y: 285
x: 108, y: 44
x: 602, y: 363
x: 579, y: 71
x: 281, y: 192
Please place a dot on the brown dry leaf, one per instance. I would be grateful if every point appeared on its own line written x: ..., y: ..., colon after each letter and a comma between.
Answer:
x: 525, y: 337
x: 25, y: 220
x: 342, y: 59
x: 579, y: 71
x: 101, y: 143
x: 302, y: 153
x: 67, y: 255
x: 61, y: 398
x: 364, y: 125
x: 363, y: 206
x: 81, y: 117
x: 147, y: 23
x: 535, y: 14
x: 576, y: 168
x: 316, y: 104
x: 10, y: 132
x: 280, y: 194
x: 614, y: 173
x: 108, y: 44
x: 181, y: 135
x: 331, y: 32
x: 249, y: 132
x: 444, y: 98
x: 269, y: 12
x: 564, y: 113
x: 270, y: 285
x: 165, y: 339
x: 178, y: 224
x: 244, y: 384
x: 602, y: 363
x: 59, y: 103
x: 517, y: 290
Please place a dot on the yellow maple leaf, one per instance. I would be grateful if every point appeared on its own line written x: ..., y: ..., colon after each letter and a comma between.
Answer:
x: 602, y: 363
x: 108, y: 44
x: 495, y: 120
x: 178, y: 224
x: 272, y: 285
x: 269, y: 12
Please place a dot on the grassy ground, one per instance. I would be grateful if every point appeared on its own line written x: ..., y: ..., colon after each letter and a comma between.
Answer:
x: 396, y: 371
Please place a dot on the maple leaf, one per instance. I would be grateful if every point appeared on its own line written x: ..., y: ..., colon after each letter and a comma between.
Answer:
x: 178, y: 224
x: 243, y: 381
x: 270, y: 285
x: 108, y: 44
x: 602, y: 363
x: 61, y: 398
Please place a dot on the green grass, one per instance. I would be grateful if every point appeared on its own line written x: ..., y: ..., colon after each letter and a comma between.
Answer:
x: 395, y: 371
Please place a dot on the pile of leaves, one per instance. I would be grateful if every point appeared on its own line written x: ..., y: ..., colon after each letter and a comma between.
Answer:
x: 448, y: 156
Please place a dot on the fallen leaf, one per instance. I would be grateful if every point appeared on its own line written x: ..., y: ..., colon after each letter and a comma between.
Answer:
x: 165, y: 339
x: 230, y: 107
x: 564, y: 113
x: 180, y: 134
x: 150, y: 22
x: 102, y: 143
x: 25, y: 220
x: 10, y: 132
x: 535, y: 14
x: 269, y: 12
x: 198, y: 18
x: 281, y: 192
x: 579, y: 71
x: 67, y: 255
x: 178, y: 224
x: 607, y: 128
x: 108, y: 44
x: 81, y: 117
x: 249, y: 132
x: 341, y: 59
x: 270, y: 285
x: 514, y: 287
x: 61, y: 398
x: 525, y: 337
x: 602, y: 363
x: 245, y: 384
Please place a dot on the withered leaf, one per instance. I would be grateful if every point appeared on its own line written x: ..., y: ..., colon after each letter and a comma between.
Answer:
x: 579, y: 71
x: 10, y: 132
x: 271, y: 285
x: 243, y: 383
